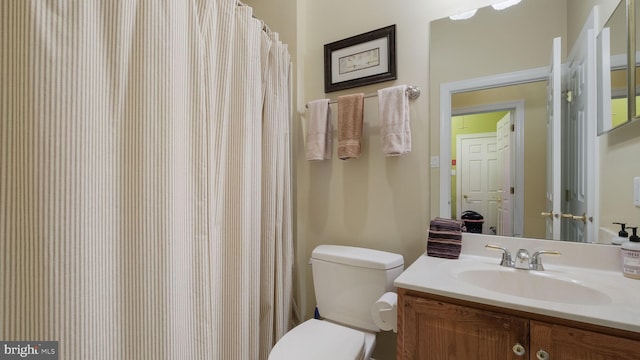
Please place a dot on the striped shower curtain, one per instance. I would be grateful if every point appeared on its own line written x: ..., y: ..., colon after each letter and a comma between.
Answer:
x: 145, y: 208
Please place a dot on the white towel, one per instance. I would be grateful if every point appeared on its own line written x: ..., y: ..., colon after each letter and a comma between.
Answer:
x: 395, y: 132
x: 319, y: 130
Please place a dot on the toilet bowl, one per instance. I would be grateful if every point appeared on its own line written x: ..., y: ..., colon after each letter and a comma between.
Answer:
x: 347, y: 281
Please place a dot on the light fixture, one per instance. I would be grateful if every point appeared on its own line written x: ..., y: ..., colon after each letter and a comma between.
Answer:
x: 463, y: 15
x: 505, y: 4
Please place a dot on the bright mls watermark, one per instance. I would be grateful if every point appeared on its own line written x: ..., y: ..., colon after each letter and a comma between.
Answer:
x: 31, y: 350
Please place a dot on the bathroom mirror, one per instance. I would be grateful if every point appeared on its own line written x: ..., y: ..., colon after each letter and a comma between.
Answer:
x: 613, y: 77
x: 509, y: 43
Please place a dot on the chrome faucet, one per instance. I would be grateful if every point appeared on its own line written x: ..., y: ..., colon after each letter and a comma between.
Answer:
x: 523, y: 260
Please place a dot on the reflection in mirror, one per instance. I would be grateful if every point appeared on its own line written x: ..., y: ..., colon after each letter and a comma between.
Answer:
x: 513, y: 42
x: 478, y: 113
x: 612, y: 71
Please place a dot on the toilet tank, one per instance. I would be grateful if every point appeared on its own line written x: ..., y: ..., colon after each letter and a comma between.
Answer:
x: 349, y: 280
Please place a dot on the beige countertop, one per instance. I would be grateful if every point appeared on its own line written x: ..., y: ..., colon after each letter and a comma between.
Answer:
x: 609, y: 299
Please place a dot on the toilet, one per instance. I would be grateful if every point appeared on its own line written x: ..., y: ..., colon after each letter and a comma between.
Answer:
x: 348, y: 281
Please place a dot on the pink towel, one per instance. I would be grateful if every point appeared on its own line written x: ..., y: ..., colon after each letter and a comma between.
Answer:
x: 350, y: 117
x: 319, y: 130
x: 395, y: 132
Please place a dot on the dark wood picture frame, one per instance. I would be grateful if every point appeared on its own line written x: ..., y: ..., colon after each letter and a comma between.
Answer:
x: 360, y: 60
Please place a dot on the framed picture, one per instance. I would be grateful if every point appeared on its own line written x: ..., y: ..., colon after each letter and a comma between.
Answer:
x: 363, y: 59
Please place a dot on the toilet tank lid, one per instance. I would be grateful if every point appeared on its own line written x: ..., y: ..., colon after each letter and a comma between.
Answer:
x: 356, y: 256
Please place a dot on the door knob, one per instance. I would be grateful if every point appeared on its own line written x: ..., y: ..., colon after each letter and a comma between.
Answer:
x: 567, y: 216
x: 547, y: 214
x: 584, y: 218
x: 465, y: 196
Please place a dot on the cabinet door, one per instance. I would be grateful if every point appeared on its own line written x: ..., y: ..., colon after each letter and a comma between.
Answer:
x: 565, y: 343
x: 433, y: 330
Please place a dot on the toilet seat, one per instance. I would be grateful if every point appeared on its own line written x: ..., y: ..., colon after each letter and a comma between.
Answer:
x: 321, y: 340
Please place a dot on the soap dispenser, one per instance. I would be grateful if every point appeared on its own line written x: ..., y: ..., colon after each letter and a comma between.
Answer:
x: 631, y: 255
x: 623, y: 235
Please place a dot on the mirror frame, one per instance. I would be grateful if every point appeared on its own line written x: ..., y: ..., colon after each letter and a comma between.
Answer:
x: 631, y: 62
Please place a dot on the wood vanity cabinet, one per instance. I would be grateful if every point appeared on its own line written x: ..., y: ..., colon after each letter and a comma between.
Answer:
x: 432, y: 327
x: 564, y: 342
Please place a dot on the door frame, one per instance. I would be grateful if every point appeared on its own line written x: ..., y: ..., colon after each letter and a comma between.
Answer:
x: 517, y: 158
x: 486, y: 82
x: 556, y: 109
x: 506, y: 174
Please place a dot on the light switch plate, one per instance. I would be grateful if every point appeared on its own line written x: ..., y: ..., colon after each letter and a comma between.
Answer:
x: 435, y: 161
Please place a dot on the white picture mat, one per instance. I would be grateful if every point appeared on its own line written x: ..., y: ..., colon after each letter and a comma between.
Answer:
x: 383, y: 67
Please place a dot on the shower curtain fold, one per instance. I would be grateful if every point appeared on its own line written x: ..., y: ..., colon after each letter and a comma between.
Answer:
x: 145, y: 207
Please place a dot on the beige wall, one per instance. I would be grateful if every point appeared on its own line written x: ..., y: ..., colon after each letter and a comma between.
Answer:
x: 373, y: 201
x: 619, y: 164
x: 581, y: 9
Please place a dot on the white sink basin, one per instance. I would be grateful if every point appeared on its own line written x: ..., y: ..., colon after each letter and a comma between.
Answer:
x: 530, y: 284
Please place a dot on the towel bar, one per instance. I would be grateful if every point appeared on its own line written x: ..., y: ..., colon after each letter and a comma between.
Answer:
x: 412, y: 91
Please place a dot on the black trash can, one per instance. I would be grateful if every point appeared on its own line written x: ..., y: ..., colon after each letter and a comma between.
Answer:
x: 473, y: 221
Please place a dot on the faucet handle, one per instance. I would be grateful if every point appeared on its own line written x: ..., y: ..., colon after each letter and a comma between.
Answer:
x: 506, y: 255
x: 536, y: 260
